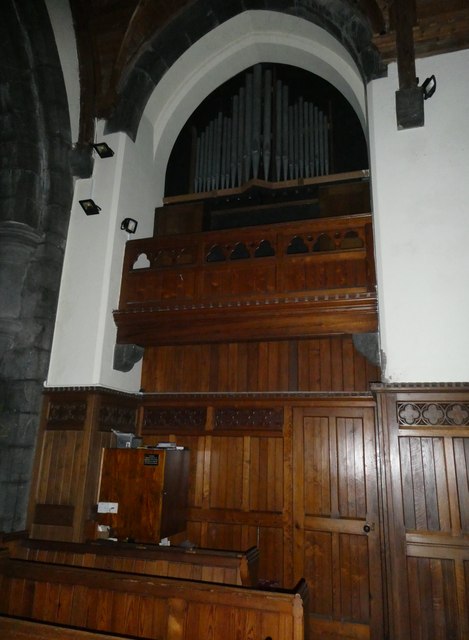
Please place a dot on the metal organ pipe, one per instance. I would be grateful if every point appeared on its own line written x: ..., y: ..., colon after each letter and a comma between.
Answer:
x: 263, y: 134
x: 279, y: 123
x: 256, y: 120
x: 285, y: 133
x: 234, y: 141
x: 266, y: 133
x: 248, y: 129
x: 239, y: 160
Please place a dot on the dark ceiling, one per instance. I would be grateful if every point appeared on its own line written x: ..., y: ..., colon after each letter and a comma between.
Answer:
x: 114, y: 36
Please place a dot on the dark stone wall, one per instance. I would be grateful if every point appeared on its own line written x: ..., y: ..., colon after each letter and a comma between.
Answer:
x: 341, y: 18
x: 35, y: 199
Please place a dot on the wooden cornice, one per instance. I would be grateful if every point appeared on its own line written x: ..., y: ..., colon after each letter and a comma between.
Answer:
x: 266, y: 320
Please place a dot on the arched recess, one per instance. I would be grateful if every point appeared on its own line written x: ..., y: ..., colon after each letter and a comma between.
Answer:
x: 248, y: 38
x: 347, y: 21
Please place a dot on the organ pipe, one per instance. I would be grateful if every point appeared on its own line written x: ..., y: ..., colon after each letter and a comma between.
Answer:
x: 264, y: 133
x: 256, y: 120
x: 285, y: 133
x: 279, y: 138
x: 234, y: 141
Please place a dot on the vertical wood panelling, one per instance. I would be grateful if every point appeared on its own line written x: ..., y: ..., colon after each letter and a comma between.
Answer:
x: 424, y: 484
x: 432, y: 583
x: 318, y: 563
x: 461, y: 460
x: 272, y: 559
x: 266, y: 474
x: 336, y: 505
x: 351, y: 468
x: 109, y: 602
x: 226, y: 473
x: 319, y: 364
x: 317, y: 470
x: 74, y: 427
x: 425, y: 431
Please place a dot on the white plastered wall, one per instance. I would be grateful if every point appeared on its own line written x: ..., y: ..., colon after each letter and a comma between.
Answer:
x: 85, y: 333
x: 421, y: 225
x: 131, y: 183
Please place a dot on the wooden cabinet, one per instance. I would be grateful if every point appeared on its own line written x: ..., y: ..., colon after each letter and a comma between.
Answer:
x: 149, y: 490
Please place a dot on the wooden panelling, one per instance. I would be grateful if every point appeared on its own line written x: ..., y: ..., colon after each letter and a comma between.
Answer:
x: 432, y: 583
x: 425, y: 435
x: 287, y: 280
x: 148, y: 606
x: 318, y: 364
x: 294, y: 474
x: 224, y: 567
x: 234, y: 262
x: 74, y: 428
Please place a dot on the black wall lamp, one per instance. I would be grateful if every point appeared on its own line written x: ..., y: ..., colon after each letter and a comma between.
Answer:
x: 428, y: 87
x: 129, y: 224
x: 103, y: 150
x: 409, y: 103
x: 90, y: 207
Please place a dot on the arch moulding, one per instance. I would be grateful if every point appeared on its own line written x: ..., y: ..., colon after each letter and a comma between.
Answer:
x: 247, y: 39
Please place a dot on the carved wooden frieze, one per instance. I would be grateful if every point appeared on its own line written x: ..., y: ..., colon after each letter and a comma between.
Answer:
x: 433, y: 413
x: 66, y: 415
x: 119, y: 418
x: 249, y: 418
x: 173, y: 418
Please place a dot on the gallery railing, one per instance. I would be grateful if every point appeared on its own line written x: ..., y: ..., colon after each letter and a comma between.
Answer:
x: 307, y: 264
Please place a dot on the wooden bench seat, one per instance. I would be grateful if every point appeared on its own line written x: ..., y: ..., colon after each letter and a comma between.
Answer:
x: 209, y: 565
x: 146, y: 606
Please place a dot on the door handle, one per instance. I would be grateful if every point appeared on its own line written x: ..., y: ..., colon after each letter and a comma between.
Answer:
x: 369, y: 527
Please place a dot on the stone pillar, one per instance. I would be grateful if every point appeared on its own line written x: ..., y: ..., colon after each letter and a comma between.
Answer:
x: 35, y: 200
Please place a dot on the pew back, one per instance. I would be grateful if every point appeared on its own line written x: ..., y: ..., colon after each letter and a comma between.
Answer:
x: 148, y: 606
x: 17, y: 629
x: 209, y: 565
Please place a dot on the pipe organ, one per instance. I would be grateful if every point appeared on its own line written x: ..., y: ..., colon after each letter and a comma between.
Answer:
x: 266, y: 134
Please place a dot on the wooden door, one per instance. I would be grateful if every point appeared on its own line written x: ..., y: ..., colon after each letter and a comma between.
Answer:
x: 337, y: 532
x: 426, y: 464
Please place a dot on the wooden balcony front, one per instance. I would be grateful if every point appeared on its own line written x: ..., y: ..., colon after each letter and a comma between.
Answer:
x: 299, y: 279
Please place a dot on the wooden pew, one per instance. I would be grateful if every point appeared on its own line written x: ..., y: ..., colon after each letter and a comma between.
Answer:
x: 148, y: 606
x: 17, y: 629
x: 209, y: 565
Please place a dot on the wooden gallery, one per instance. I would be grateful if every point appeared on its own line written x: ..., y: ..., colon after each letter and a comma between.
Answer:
x: 254, y: 422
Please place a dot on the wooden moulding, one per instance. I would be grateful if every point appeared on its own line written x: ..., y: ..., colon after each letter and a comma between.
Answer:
x: 272, y: 186
x: 266, y: 320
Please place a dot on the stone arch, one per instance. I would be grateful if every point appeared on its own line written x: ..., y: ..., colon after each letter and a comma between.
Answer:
x: 341, y: 19
x: 249, y: 38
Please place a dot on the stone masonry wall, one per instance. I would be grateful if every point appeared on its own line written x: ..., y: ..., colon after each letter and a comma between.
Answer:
x: 35, y: 201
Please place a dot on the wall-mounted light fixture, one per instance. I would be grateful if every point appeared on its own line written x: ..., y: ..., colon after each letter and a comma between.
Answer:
x: 90, y: 207
x: 428, y: 87
x: 103, y: 150
x: 129, y: 225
